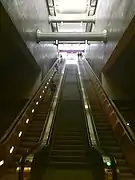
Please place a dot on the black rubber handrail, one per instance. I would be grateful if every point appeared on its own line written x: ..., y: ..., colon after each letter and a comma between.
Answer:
x: 16, y: 121
x: 127, y: 129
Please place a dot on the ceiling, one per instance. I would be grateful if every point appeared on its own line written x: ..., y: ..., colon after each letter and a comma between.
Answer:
x: 72, y: 8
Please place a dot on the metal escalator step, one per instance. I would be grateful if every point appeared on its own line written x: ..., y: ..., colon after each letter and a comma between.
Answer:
x: 112, y: 148
x: 34, y: 129
x: 68, y: 137
x: 69, y: 141
x: 100, y: 123
x: 32, y: 133
x: 37, y: 125
x: 104, y: 128
x: 124, y: 169
x: 118, y: 155
x: 67, y: 147
x: 105, y: 138
x: 72, y: 130
x: 68, y: 152
x: 28, y: 144
x: 69, y: 158
x: 30, y: 139
x: 73, y: 133
x: 68, y: 163
x: 108, y: 142
x: 126, y: 176
x: 102, y: 132
x: 121, y: 162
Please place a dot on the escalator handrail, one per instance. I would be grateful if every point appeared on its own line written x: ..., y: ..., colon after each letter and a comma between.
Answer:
x: 39, y: 145
x: 25, y: 108
x: 126, y: 128
x: 57, y: 105
x: 92, y: 133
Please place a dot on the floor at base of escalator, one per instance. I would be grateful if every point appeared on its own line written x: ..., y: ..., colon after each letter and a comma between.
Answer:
x: 67, y: 174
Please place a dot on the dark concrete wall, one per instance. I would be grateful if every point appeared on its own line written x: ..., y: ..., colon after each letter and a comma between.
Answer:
x: 18, y: 71
x: 122, y: 71
x: 28, y: 16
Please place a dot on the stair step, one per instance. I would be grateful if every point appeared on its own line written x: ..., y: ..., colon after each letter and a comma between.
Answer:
x: 124, y: 169
x: 103, y: 128
x: 67, y: 147
x: 28, y: 144
x: 104, y: 138
x: 34, y: 130
x: 37, y: 125
x: 108, y: 142
x: 69, y: 158
x: 69, y: 138
x: 118, y: 155
x: 73, y: 133
x: 121, y: 162
x: 30, y: 139
x: 69, y: 141
x: 69, y: 152
x: 127, y: 176
x: 67, y: 163
x: 32, y: 133
x: 112, y: 148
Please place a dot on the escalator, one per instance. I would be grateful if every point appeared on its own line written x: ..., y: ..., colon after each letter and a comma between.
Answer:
x: 108, y: 141
x: 68, y: 156
x: 31, y: 137
x: 27, y: 130
x: 68, y: 152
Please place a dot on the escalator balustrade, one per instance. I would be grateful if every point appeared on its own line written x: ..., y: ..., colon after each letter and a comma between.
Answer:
x: 108, y: 140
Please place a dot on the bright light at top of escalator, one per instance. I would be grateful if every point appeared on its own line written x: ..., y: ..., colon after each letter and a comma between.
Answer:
x: 127, y: 124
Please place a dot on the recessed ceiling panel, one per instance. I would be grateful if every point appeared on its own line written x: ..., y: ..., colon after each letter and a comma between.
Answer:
x: 71, y: 6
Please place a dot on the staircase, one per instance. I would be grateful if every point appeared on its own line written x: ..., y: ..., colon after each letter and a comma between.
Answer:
x: 69, y: 145
x: 107, y: 139
x: 68, y: 158
x: 31, y: 137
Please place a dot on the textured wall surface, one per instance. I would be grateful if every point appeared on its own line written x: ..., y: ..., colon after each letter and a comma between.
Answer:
x: 28, y: 16
x: 114, y: 16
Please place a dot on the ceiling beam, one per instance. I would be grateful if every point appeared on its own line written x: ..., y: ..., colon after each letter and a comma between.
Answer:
x: 58, y: 19
x: 72, y: 36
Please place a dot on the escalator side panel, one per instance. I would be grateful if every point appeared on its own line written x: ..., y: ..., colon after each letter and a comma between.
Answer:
x: 107, y: 138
